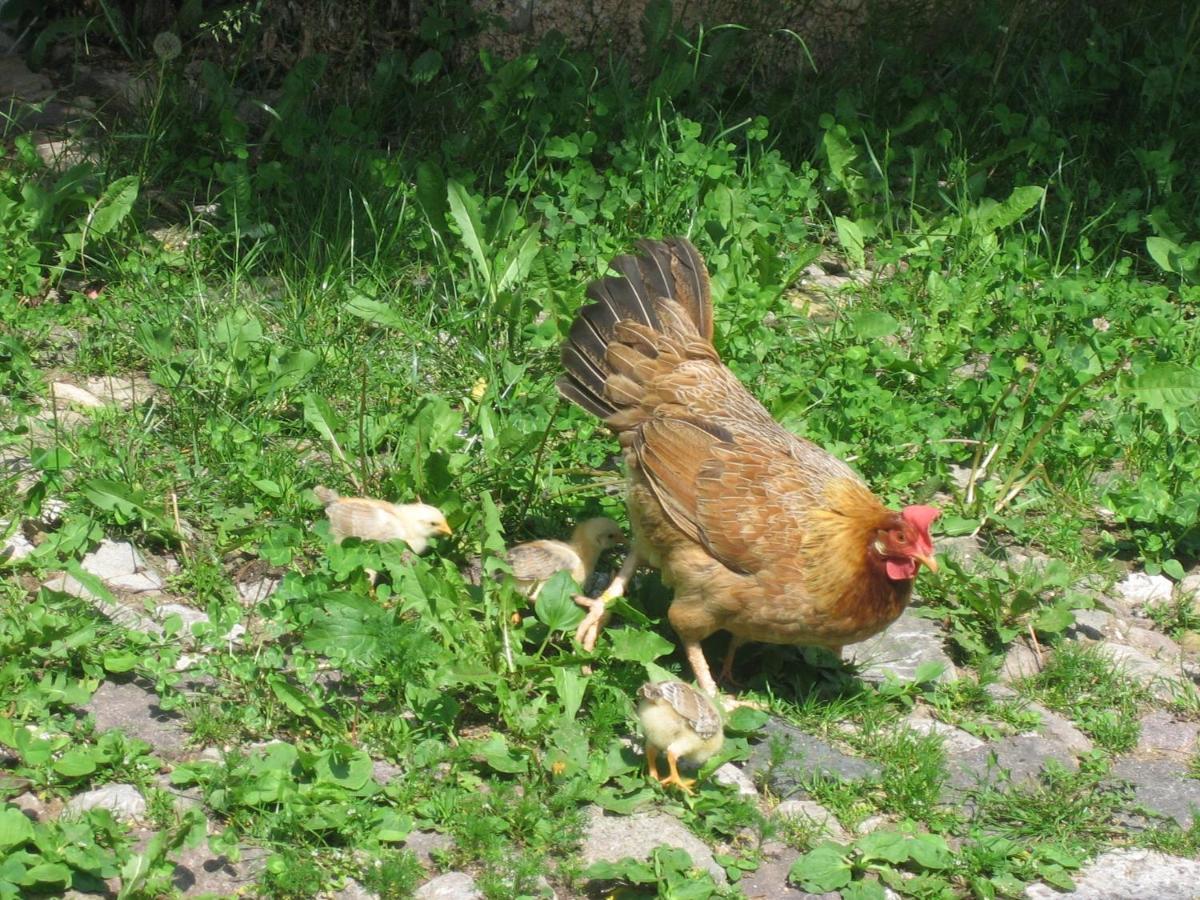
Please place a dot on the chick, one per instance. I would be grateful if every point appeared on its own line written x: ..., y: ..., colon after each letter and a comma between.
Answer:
x: 378, y: 520
x: 535, y: 562
x: 680, y: 721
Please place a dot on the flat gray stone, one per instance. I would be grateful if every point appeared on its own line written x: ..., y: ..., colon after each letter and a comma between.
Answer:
x: 255, y: 592
x: 16, y: 546
x: 1062, y: 730
x: 731, y: 776
x: 769, y: 880
x: 451, y: 886
x: 1129, y: 874
x: 1022, y: 661
x: 612, y: 838
x: 199, y: 871
x: 112, y: 559
x: 965, y: 550
x: 124, y: 391
x: 1019, y: 760
x: 423, y: 844
x: 119, y: 613
x: 1162, y: 734
x: 813, y: 813
x: 133, y: 708
x: 789, y: 758
x: 954, y: 740
x: 907, y: 644
x: 1156, y: 675
x: 1095, y: 625
x: 137, y: 582
x: 124, y: 801
x: 352, y: 890
x: 18, y: 82
x: 188, y: 615
x: 1162, y: 786
x: 1153, y: 643
x: 1139, y: 589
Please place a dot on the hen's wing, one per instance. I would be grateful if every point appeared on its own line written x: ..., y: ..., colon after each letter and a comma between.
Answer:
x: 691, y: 705
x: 540, y: 560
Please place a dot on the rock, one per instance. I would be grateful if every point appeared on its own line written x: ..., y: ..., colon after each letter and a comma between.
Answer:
x: 119, y: 613
x: 1138, y: 589
x: 1129, y: 874
x: 1154, y: 643
x: 954, y: 740
x: 121, y: 391
x: 731, y: 776
x: 965, y: 550
x: 124, y: 801
x: 769, y: 880
x: 789, y: 758
x: 1019, y: 760
x: 1062, y: 730
x: 873, y: 823
x: 1163, y: 786
x: 113, y: 560
x: 960, y: 476
x: 18, y: 82
x: 909, y: 643
x: 1021, y: 661
x: 424, y: 844
x: 137, y: 583
x: 133, y: 707
x: 66, y: 394
x: 200, y: 872
x: 1025, y: 560
x: 352, y: 890
x: 451, y: 886
x: 188, y: 615
x: 612, y: 838
x: 383, y: 771
x: 813, y: 813
x: 16, y: 546
x: 1151, y: 673
x: 255, y: 592
x: 60, y: 155
x: 1189, y: 642
x: 1190, y: 586
x: 1162, y: 734
x: 31, y: 805
x: 1095, y: 625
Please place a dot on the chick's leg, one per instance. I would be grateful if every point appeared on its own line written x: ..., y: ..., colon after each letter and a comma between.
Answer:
x: 589, y: 628
x: 685, y: 784
x: 652, y: 761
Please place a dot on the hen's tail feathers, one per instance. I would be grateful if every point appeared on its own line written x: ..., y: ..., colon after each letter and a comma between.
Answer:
x: 666, y: 282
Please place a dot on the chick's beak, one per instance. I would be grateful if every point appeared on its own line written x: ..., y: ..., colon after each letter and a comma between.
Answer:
x: 926, y: 560
x: 443, y: 528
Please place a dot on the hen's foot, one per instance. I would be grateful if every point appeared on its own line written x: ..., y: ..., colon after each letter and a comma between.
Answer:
x: 597, y: 617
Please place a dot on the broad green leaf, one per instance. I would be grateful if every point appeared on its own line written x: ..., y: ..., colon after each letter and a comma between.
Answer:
x: 839, y: 151
x: 114, y: 205
x: 431, y: 194
x: 373, y: 311
x: 499, y: 756
x: 874, y: 324
x: 15, y: 829
x: 47, y: 873
x: 521, y: 260
x: 928, y: 671
x: 320, y: 415
x: 344, y: 766
x: 1174, y: 568
x: 75, y: 763
x: 885, y: 844
x: 633, y: 645
x: 1163, y: 251
x: 850, y: 236
x: 119, y: 661
x: 930, y: 851
x: 426, y: 66
x: 1168, y: 385
x: 864, y: 890
x: 570, y: 686
x: 823, y: 869
x: 393, y: 827
x: 1054, y: 619
x: 555, y: 606
x: 465, y: 211
x: 744, y: 720
x: 992, y: 216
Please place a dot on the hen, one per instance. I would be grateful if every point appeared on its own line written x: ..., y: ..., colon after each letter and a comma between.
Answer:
x: 761, y: 533
x: 681, y: 722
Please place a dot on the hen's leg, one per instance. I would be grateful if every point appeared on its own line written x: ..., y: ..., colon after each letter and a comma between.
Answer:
x: 726, y: 675
x: 685, y: 784
x: 589, y: 628
x: 695, y: 656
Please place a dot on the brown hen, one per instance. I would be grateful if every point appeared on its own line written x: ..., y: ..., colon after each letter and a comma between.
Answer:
x: 761, y: 533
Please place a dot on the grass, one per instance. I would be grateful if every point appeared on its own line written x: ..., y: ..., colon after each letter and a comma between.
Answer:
x: 369, y: 291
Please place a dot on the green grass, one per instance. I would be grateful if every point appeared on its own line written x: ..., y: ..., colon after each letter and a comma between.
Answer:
x: 371, y: 295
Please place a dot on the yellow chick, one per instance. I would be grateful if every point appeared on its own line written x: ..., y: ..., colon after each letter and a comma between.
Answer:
x: 535, y: 562
x: 680, y: 721
x: 378, y: 520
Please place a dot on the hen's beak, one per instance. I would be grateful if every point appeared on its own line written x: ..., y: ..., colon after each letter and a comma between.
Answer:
x: 443, y: 528
x: 928, y: 561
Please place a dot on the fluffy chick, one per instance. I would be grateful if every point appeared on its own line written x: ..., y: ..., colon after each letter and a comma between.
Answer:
x: 535, y: 562
x: 680, y: 721
x: 378, y: 520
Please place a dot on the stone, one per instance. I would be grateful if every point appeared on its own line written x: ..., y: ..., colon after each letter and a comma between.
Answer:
x: 16, y: 546
x: 1018, y: 760
x: 1153, y: 674
x: 66, y: 394
x: 731, y: 776
x: 909, y: 643
x: 1162, y: 734
x: 770, y: 880
x: 137, y: 583
x: 1189, y: 642
x: 1061, y: 730
x: 1163, y: 786
x: 612, y: 838
x: 124, y: 801
x: 121, y: 391
x: 954, y: 740
x: 1129, y: 874
x: 1021, y: 661
x: 424, y: 844
x: 966, y: 550
x: 112, y: 559
x: 1139, y: 589
x: 18, y: 82
x: 199, y: 872
x: 132, y: 706
x: 1154, y: 643
x: 451, y: 886
x: 788, y: 758
x: 188, y: 615
x: 1095, y: 625
x: 352, y: 890
x: 31, y: 805
x: 255, y: 592
x: 813, y: 813
x: 119, y: 613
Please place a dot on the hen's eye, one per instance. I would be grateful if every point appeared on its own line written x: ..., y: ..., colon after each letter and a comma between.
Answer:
x: 901, y: 539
